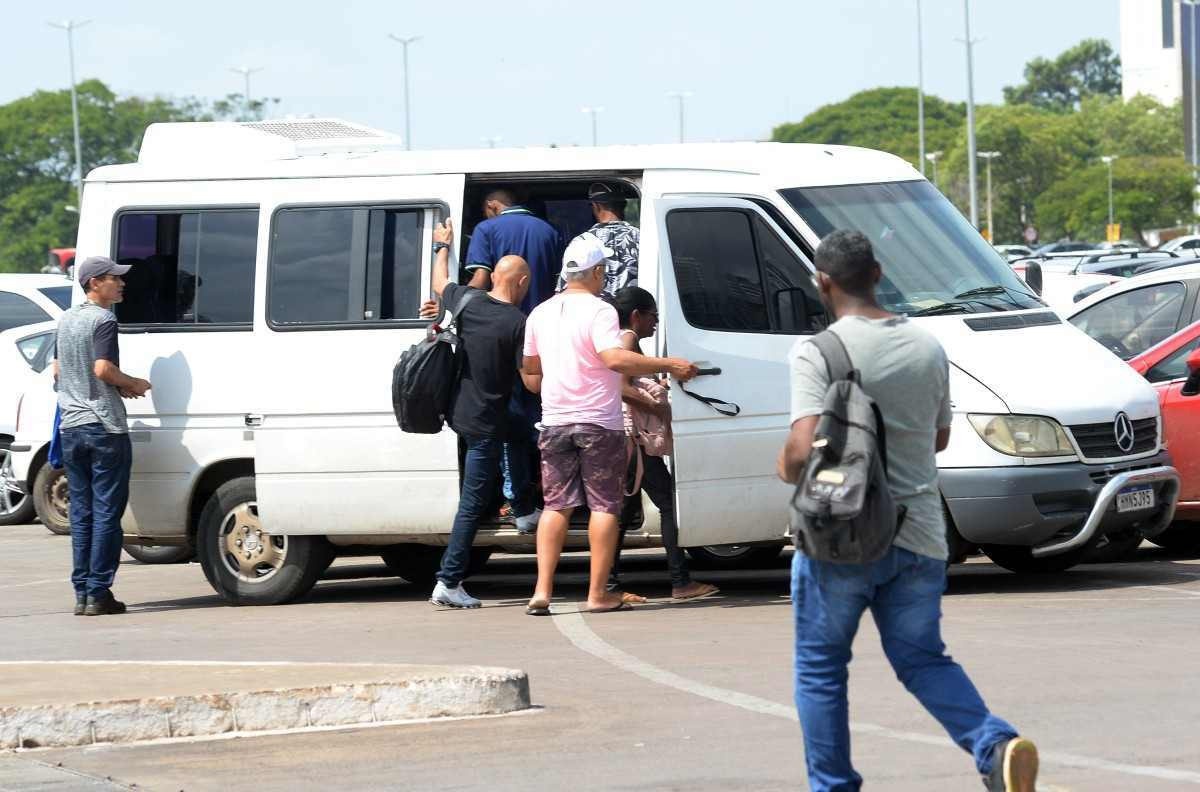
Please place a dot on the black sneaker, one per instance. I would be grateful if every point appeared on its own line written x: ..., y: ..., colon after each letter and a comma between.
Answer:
x: 108, y: 606
x: 1014, y: 767
x: 80, y: 605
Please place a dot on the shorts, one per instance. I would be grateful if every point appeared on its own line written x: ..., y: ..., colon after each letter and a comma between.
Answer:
x: 583, y: 464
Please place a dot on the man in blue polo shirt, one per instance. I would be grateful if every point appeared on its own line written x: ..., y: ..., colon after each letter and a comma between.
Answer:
x: 512, y: 230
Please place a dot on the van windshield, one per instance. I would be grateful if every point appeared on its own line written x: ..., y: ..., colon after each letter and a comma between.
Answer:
x: 933, y: 261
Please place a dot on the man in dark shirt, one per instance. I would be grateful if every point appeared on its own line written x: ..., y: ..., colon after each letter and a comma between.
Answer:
x: 492, y: 329
x: 513, y: 230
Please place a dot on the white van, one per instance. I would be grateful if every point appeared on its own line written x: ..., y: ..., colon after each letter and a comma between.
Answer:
x: 278, y: 268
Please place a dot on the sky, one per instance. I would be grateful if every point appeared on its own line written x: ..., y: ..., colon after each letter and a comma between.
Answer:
x: 521, y: 70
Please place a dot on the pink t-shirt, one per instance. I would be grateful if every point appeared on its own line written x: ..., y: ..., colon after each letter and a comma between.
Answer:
x: 568, y: 332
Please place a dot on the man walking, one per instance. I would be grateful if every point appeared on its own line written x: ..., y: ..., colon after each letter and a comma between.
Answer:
x: 573, y: 342
x: 904, y: 369
x: 95, y: 437
x: 623, y: 238
x: 492, y: 330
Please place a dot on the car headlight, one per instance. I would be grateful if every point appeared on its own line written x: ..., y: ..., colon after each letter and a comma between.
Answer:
x: 1023, y: 435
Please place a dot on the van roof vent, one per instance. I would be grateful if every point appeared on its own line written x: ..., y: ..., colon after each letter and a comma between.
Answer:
x: 1013, y: 321
x: 225, y: 141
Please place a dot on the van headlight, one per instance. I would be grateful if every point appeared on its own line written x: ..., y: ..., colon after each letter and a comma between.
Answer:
x: 1023, y: 435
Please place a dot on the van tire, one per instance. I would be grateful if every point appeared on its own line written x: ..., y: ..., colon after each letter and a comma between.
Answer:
x: 1116, y: 548
x: 161, y: 554
x: 51, y: 499
x: 301, y: 559
x: 1021, y: 559
x: 733, y: 556
x: 416, y: 563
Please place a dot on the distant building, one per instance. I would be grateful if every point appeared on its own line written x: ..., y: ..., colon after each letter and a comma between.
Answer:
x: 1158, y: 55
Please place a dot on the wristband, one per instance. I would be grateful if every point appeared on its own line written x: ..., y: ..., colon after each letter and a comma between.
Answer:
x: 440, y: 246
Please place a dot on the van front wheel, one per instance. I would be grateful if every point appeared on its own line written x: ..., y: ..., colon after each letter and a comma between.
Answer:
x: 247, y: 563
x: 1022, y: 561
x: 734, y: 556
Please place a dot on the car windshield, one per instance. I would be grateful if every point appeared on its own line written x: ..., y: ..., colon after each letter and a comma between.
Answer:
x: 59, y: 295
x: 933, y: 261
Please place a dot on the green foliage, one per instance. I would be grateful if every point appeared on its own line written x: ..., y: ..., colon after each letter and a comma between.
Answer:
x: 881, y: 118
x: 1090, y: 68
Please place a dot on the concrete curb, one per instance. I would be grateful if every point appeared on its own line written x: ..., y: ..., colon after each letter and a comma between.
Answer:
x: 462, y: 691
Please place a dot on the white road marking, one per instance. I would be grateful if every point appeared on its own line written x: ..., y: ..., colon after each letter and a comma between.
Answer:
x: 573, y: 627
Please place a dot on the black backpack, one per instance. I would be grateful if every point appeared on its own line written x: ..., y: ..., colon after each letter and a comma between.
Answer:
x: 843, y: 509
x: 424, y: 378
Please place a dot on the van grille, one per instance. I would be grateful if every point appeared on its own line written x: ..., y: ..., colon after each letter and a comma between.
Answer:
x: 1098, y: 441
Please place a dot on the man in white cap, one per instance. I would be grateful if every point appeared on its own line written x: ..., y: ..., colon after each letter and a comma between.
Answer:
x: 574, y: 357
x: 95, y: 436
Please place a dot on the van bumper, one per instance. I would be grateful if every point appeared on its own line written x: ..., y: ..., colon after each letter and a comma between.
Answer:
x: 1056, y: 508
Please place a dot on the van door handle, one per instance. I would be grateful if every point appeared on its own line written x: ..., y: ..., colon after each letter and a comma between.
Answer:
x: 708, y: 372
x: 253, y: 420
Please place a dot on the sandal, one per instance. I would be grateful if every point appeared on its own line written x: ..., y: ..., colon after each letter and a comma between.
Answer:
x: 536, y: 608
x: 624, y: 606
x: 703, y: 590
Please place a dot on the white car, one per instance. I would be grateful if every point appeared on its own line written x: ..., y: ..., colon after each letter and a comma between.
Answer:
x: 1182, y: 243
x: 1011, y: 252
x: 27, y: 409
x: 29, y: 298
x: 1061, y: 285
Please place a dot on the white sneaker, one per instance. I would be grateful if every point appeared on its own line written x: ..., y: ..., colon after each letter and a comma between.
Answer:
x: 529, y: 523
x: 456, y: 597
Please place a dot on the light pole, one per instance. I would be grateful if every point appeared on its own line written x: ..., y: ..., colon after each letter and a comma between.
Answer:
x: 972, y: 172
x: 1108, y: 160
x: 933, y: 157
x: 1192, y: 38
x: 680, y: 96
x: 404, y: 42
x: 988, y: 156
x: 592, y: 111
x: 246, y: 71
x: 920, y: 93
x: 70, y: 26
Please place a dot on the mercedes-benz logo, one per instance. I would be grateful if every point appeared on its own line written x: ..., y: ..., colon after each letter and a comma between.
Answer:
x: 1123, y: 432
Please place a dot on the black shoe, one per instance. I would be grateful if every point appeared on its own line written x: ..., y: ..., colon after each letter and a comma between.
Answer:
x: 80, y: 605
x: 1014, y: 766
x: 108, y: 606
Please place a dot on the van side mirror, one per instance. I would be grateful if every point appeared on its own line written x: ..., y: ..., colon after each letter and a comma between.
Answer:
x: 797, y: 312
x: 1033, y: 277
x: 1191, y: 386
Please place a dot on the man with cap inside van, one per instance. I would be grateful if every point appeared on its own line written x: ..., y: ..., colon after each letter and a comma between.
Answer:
x: 95, y: 436
x: 573, y: 355
x: 619, y: 236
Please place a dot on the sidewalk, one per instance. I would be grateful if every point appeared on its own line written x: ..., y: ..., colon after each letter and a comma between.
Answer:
x: 69, y: 703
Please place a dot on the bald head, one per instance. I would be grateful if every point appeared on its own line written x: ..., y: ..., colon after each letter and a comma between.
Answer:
x: 510, y: 279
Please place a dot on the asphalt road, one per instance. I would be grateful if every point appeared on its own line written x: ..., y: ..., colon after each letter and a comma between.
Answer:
x: 1099, y: 665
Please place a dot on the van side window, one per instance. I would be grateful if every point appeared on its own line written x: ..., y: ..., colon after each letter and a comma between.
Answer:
x: 346, y: 264
x: 189, y: 267
x: 734, y: 273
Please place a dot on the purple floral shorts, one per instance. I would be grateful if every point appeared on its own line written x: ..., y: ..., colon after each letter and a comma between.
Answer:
x: 583, y: 464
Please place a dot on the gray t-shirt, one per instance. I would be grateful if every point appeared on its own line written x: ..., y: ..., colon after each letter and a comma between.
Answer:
x: 87, y: 333
x: 904, y: 369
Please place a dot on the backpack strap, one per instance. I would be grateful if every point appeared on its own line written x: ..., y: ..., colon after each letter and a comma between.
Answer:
x: 468, y: 294
x: 837, y: 359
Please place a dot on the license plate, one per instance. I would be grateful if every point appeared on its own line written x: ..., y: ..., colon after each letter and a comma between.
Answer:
x: 1135, y: 499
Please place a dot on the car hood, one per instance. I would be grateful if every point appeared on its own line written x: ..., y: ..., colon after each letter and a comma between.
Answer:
x: 1052, y: 370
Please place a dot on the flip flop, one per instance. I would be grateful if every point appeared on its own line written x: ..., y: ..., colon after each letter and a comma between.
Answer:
x: 699, y: 594
x: 632, y: 599
x: 624, y: 606
x: 537, y: 610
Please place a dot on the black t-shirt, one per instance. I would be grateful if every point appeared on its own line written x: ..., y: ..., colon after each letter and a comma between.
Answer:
x: 493, y: 339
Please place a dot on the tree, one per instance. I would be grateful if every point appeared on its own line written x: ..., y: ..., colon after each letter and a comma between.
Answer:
x: 1090, y: 68
x: 881, y: 118
x: 36, y: 160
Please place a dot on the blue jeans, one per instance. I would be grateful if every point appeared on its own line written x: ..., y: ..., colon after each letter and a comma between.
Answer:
x: 98, y: 465
x: 904, y: 592
x: 481, y: 470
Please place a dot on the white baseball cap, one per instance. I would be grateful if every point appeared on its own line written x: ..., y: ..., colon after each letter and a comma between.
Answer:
x: 584, y: 252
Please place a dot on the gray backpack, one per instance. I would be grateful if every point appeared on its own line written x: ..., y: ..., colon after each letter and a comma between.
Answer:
x: 843, y: 510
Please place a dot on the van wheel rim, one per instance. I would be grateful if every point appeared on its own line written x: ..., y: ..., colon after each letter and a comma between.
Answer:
x: 11, y: 494
x: 60, y: 496
x: 729, y: 551
x: 250, y: 553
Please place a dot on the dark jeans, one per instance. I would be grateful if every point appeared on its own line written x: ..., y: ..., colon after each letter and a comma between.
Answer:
x: 658, y: 484
x: 98, y: 465
x: 524, y: 410
x: 903, y: 590
x: 481, y: 471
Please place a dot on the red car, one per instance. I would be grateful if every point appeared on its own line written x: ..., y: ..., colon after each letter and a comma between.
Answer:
x: 1173, y: 367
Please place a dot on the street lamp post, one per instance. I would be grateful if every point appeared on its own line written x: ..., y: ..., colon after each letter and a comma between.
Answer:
x: 988, y: 156
x: 920, y: 93
x: 680, y: 96
x: 592, y: 111
x: 1108, y: 160
x: 246, y: 71
x: 933, y: 157
x: 70, y: 26
x: 972, y: 172
x: 404, y: 42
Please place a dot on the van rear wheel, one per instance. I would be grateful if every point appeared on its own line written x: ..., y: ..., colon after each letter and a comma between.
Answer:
x: 1022, y: 561
x: 245, y: 561
x: 734, y: 556
x: 52, y: 499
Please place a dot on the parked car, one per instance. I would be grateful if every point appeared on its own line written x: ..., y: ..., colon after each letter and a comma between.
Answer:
x: 1168, y: 263
x: 25, y: 355
x: 1060, y: 281
x: 1137, y: 313
x: 1064, y: 246
x: 1121, y: 263
x: 1181, y: 244
x: 1173, y: 367
x: 1011, y: 252
x: 31, y: 298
